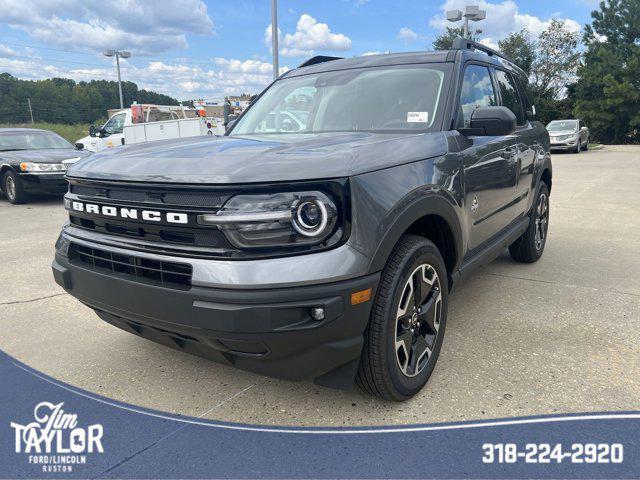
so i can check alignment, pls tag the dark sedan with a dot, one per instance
(34, 161)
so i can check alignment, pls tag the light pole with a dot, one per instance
(471, 12)
(274, 37)
(118, 54)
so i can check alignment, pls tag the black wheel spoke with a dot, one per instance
(418, 320)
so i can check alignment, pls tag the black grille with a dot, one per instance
(210, 200)
(144, 270)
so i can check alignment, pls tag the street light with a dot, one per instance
(274, 36)
(118, 54)
(471, 12)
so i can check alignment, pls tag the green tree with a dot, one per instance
(63, 101)
(556, 61)
(444, 41)
(608, 87)
(550, 62)
(520, 49)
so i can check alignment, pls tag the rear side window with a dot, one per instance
(509, 93)
(477, 91)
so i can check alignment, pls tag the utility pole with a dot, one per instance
(274, 37)
(118, 54)
(30, 110)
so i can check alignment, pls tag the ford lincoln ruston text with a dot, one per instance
(321, 236)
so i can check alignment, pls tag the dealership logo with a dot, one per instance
(129, 213)
(55, 439)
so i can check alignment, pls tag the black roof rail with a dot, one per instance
(466, 44)
(318, 59)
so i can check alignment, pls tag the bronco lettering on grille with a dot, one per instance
(130, 213)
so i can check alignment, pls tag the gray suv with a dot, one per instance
(321, 236)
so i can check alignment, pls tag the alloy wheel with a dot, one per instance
(542, 220)
(418, 320)
(10, 187)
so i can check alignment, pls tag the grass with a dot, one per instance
(70, 132)
(595, 146)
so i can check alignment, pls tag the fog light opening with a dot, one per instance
(317, 313)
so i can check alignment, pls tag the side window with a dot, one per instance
(115, 124)
(509, 93)
(477, 91)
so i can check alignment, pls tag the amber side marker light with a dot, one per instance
(361, 296)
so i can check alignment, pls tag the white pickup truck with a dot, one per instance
(147, 123)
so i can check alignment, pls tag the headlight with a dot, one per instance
(287, 219)
(572, 137)
(42, 167)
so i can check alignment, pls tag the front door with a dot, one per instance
(489, 163)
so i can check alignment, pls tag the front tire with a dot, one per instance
(408, 319)
(586, 145)
(578, 147)
(529, 247)
(12, 187)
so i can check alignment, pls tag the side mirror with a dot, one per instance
(79, 146)
(583, 129)
(93, 132)
(493, 121)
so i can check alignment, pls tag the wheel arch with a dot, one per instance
(433, 217)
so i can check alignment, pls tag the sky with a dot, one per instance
(206, 49)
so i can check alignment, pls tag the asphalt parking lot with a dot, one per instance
(558, 336)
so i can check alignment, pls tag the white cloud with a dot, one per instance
(180, 80)
(143, 26)
(502, 19)
(7, 52)
(407, 34)
(310, 36)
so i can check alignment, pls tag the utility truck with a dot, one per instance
(148, 123)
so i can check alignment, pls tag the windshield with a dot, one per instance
(403, 98)
(562, 125)
(34, 140)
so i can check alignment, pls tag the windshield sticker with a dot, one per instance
(417, 117)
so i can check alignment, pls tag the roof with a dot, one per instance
(467, 49)
(16, 130)
(384, 59)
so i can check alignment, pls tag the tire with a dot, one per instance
(586, 145)
(13, 190)
(529, 247)
(392, 366)
(578, 147)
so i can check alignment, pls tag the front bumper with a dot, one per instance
(269, 331)
(49, 183)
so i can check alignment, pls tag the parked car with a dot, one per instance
(34, 161)
(568, 135)
(325, 251)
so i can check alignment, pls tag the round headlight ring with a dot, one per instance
(300, 224)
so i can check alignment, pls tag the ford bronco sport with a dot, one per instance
(321, 236)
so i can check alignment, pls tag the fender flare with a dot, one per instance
(432, 203)
(544, 165)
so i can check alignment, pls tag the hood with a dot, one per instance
(252, 159)
(49, 155)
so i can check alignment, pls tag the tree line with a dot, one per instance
(64, 101)
(594, 76)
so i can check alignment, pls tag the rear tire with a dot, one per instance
(586, 145)
(529, 247)
(13, 190)
(406, 329)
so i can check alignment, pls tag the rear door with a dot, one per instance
(511, 96)
(489, 162)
